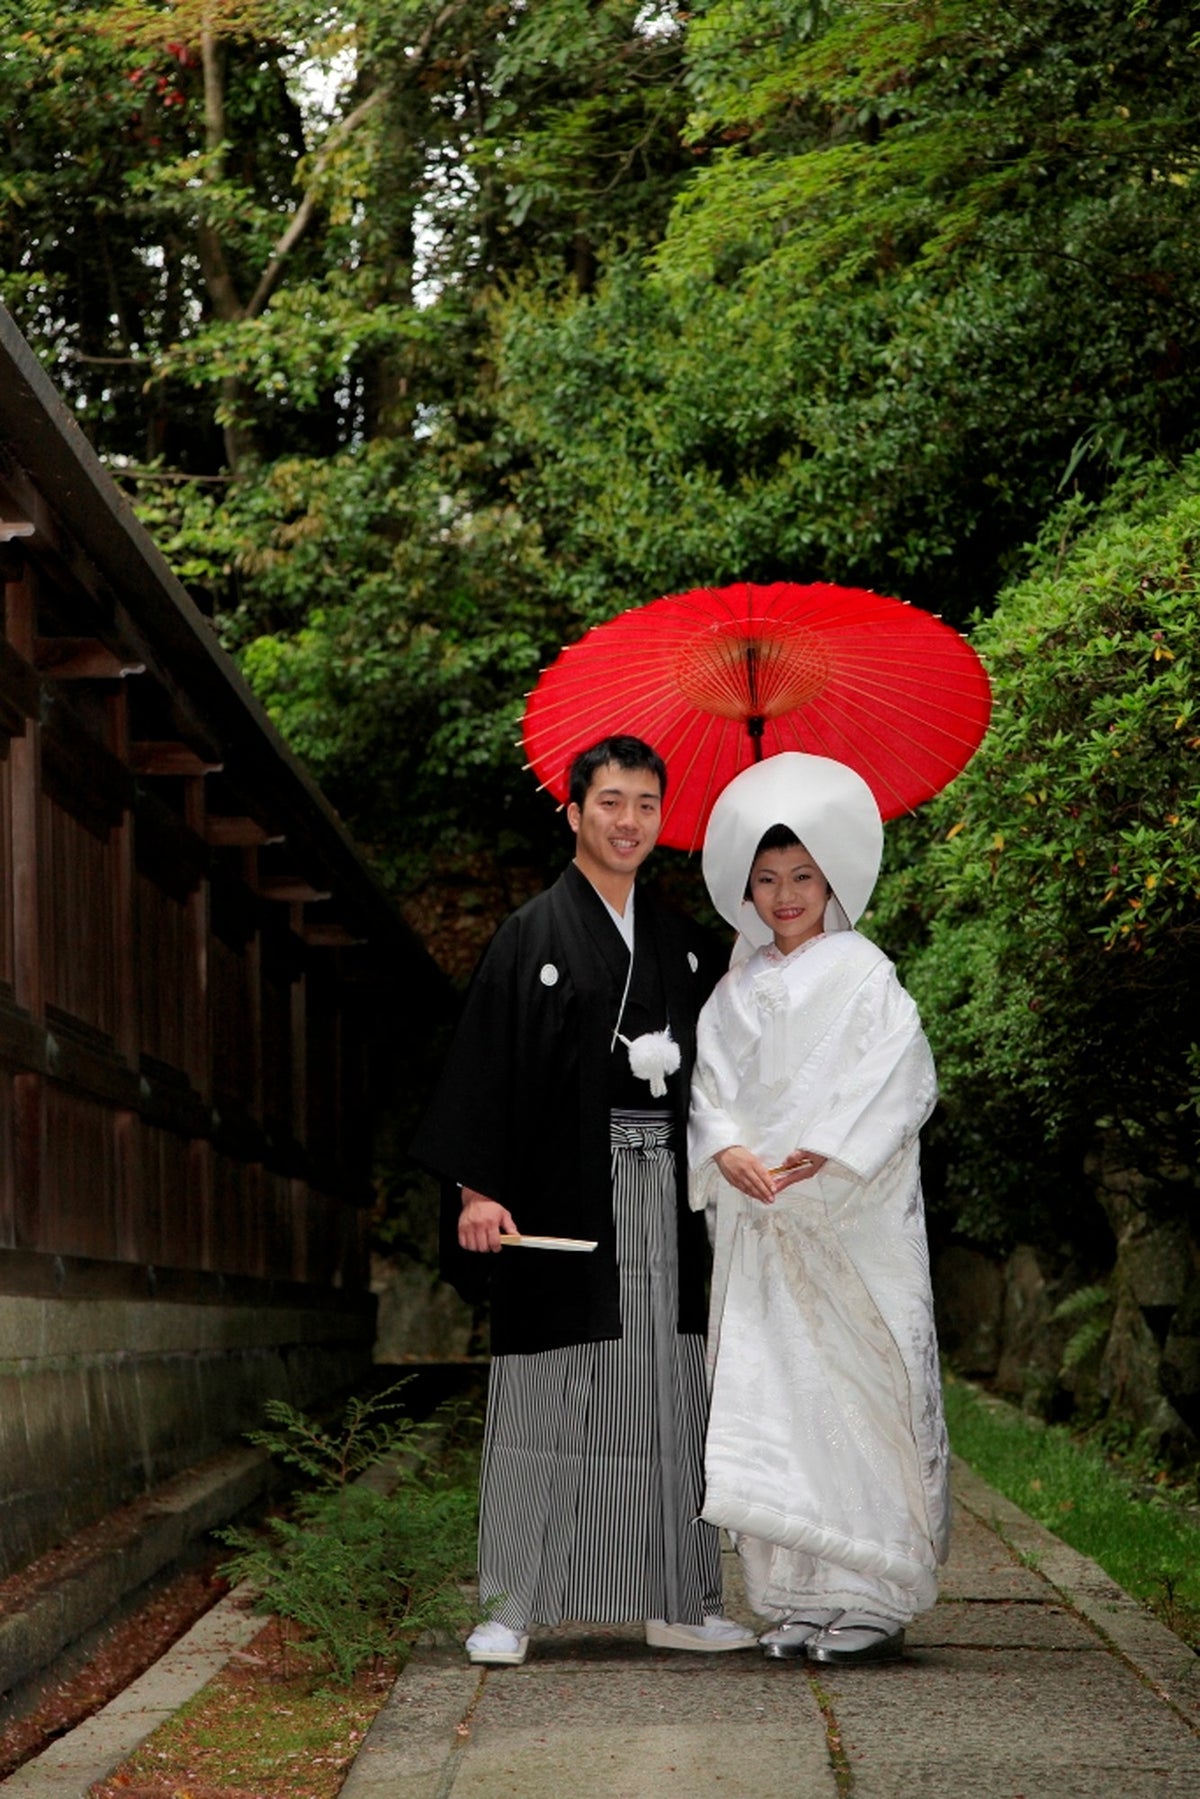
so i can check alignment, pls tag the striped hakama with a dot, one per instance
(592, 1476)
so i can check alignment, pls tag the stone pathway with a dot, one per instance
(1034, 1678)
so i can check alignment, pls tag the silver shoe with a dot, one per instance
(857, 1637)
(789, 1642)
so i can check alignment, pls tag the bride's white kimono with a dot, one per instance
(827, 1454)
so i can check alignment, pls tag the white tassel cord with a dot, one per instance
(652, 1058)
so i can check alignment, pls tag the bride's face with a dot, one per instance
(790, 894)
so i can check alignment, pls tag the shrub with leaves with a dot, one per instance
(1051, 897)
(375, 1551)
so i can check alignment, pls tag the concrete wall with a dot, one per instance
(102, 1399)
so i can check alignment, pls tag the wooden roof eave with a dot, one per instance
(46, 441)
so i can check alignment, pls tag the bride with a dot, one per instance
(826, 1454)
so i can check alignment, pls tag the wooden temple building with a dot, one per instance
(195, 963)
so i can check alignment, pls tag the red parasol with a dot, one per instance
(720, 677)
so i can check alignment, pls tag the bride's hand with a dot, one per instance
(800, 1165)
(743, 1170)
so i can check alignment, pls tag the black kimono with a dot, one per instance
(591, 1483)
(522, 1110)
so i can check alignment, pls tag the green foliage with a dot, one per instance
(374, 1553)
(1138, 1532)
(478, 324)
(424, 335)
(863, 136)
(1090, 1309)
(1048, 899)
(934, 264)
(371, 1430)
(778, 437)
(402, 687)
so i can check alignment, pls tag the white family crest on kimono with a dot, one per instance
(826, 1451)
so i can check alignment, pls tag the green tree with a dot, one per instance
(1050, 898)
(303, 219)
(474, 324)
(936, 266)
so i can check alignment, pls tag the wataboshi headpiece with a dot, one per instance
(833, 813)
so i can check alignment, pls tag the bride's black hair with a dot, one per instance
(779, 837)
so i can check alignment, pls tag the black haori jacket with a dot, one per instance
(522, 1110)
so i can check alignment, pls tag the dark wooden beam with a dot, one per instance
(299, 1041)
(82, 659)
(226, 832)
(142, 605)
(170, 759)
(252, 954)
(330, 936)
(19, 692)
(81, 774)
(25, 795)
(47, 1275)
(292, 890)
(168, 851)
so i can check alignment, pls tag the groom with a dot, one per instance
(592, 1475)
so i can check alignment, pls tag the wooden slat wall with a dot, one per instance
(78, 922)
(165, 959)
(6, 968)
(173, 1229)
(324, 1059)
(171, 1083)
(7, 1220)
(277, 1050)
(232, 1013)
(80, 1179)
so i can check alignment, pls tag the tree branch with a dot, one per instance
(302, 217)
(213, 266)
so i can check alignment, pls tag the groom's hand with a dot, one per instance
(481, 1222)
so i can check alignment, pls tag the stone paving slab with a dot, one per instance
(415, 1743)
(946, 1779)
(982, 1566)
(731, 1689)
(968, 1624)
(1155, 1652)
(1000, 1722)
(671, 1727)
(1023, 1683)
(648, 1762)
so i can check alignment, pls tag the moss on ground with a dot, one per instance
(1136, 1524)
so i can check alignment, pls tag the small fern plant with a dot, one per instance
(1090, 1309)
(375, 1552)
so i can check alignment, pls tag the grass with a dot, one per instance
(1141, 1532)
(261, 1729)
(362, 1567)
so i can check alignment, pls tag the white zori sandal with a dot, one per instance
(497, 1645)
(857, 1637)
(710, 1638)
